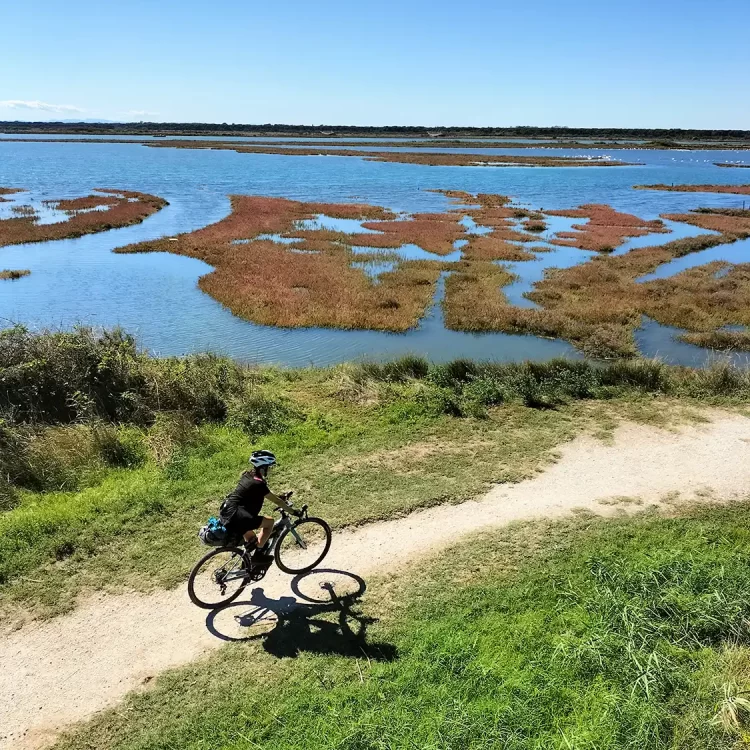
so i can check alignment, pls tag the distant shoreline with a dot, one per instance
(390, 131)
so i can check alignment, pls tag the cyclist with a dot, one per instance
(240, 511)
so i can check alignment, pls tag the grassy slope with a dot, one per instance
(391, 450)
(580, 634)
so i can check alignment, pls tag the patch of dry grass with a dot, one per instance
(735, 223)
(725, 341)
(8, 191)
(72, 205)
(400, 157)
(434, 233)
(735, 189)
(267, 282)
(12, 274)
(122, 212)
(604, 292)
(605, 230)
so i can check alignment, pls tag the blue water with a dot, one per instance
(737, 252)
(156, 296)
(662, 341)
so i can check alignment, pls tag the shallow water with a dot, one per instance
(657, 340)
(737, 252)
(156, 296)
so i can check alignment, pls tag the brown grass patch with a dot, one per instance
(123, 212)
(493, 247)
(8, 191)
(407, 459)
(268, 283)
(474, 300)
(598, 305)
(734, 189)
(71, 205)
(605, 230)
(732, 222)
(12, 275)
(425, 159)
(725, 341)
(604, 292)
(435, 233)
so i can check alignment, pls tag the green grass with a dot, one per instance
(136, 527)
(628, 634)
(110, 459)
(101, 506)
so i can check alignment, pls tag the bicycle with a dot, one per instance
(220, 576)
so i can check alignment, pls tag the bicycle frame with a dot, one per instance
(249, 569)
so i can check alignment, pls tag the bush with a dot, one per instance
(83, 375)
(260, 413)
(397, 370)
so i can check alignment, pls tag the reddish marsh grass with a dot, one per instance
(123, 212)
(729, 222)
(735, 189)
(604, 292)
(71, 205)
(269, 283)
(435, 233)
(426, 159)
(598, 305)
(605, 230)
(12, 274)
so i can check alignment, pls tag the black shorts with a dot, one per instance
(242, 521)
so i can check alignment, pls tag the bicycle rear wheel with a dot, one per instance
(303, 546)
(217, 578)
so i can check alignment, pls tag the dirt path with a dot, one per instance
(60, 672)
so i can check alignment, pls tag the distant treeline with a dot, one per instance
(269, 129)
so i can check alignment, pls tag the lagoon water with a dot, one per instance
(155, 296)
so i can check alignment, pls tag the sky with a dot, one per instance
(660, 63)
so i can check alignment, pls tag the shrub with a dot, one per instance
(453, 373)
(63, 377)
(397, 370)
(260, 413)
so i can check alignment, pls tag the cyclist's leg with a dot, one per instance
(243, 524)
(266, 527)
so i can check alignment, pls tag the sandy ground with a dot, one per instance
(60, 672)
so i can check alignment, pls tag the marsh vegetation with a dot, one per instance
(12, 274)
(123, 208)
(351, 274)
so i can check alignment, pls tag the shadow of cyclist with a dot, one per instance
(288, 626)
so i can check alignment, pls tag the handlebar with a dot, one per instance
(302, 511)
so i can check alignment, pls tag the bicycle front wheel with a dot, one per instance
(218, 578)
(303, 545)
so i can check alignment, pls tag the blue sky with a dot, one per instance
(660, 63)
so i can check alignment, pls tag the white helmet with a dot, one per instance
(261, 459)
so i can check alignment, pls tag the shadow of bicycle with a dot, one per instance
(323, 617)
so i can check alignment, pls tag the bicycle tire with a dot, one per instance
(194, 574)
(307, 568)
